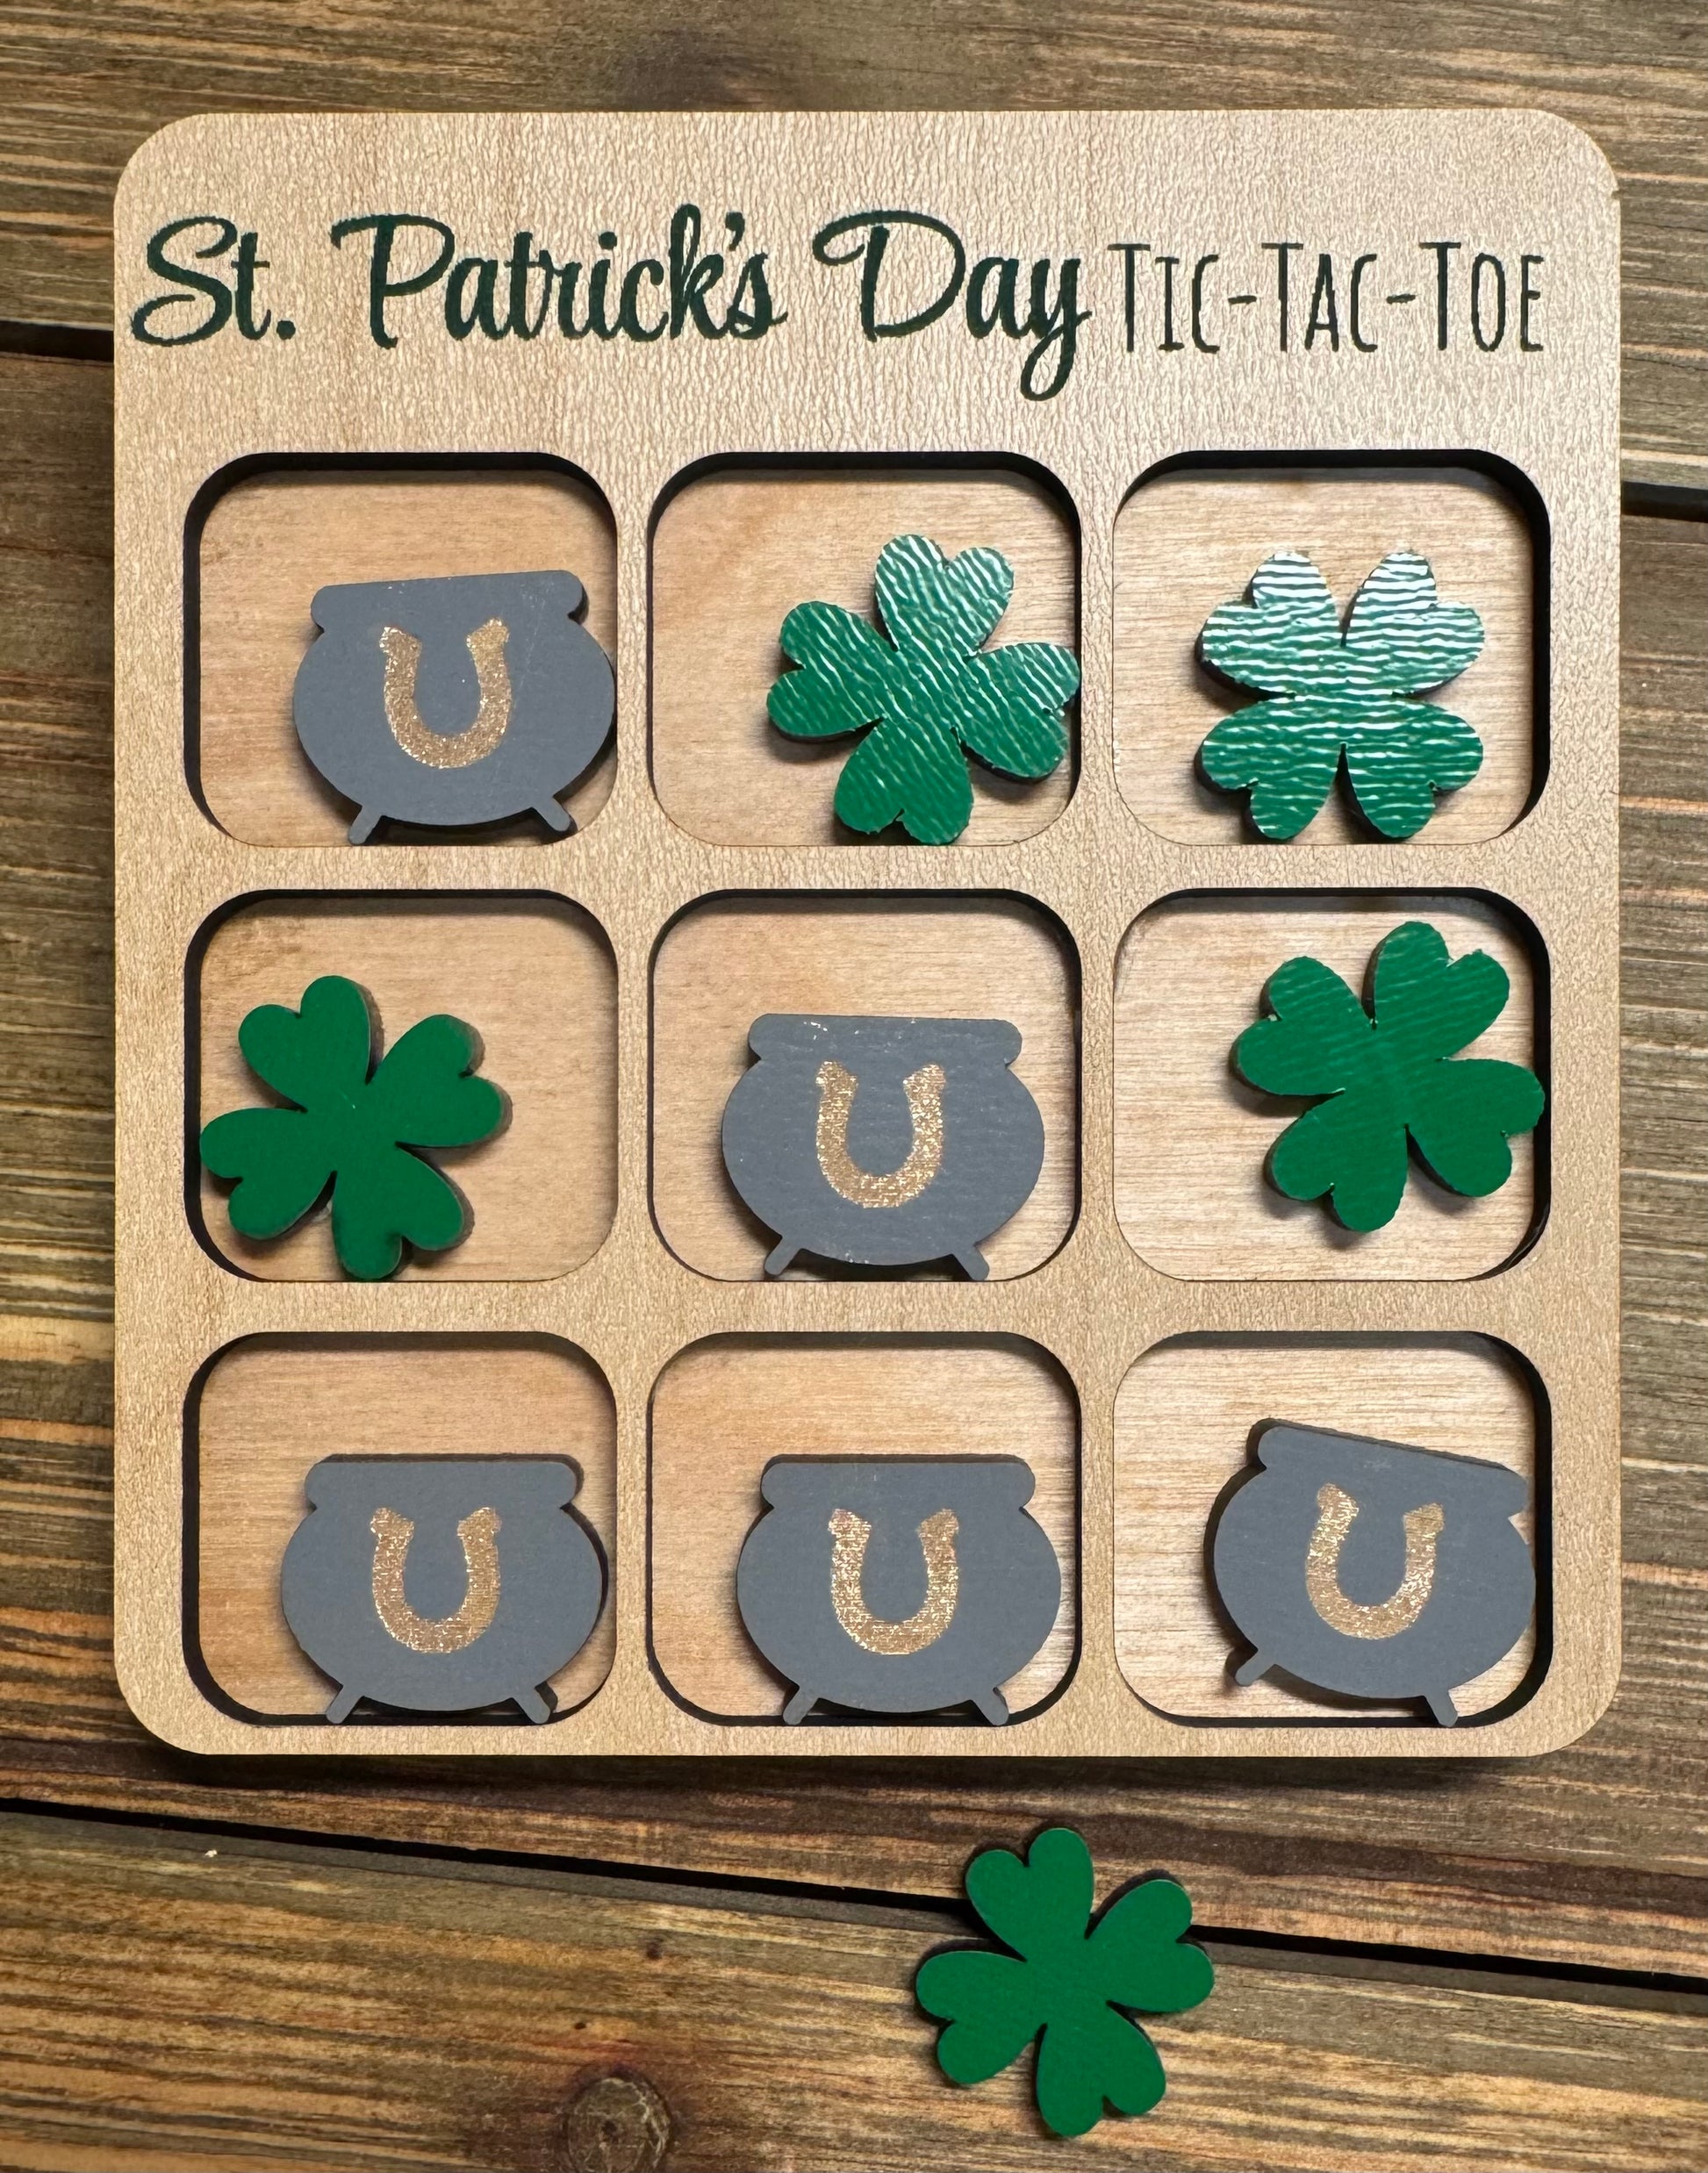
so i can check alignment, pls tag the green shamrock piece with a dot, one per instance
(1390, 1077)
(927, 693)
(1335, 695)
(353, 1130)
(1068, 1977)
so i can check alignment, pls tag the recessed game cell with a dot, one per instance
(392, 655)
(420, 1087)
(1327, 1086)
(1330, 653)
(402, 1528)
(863, 1528)
(865, 1086)
(864, 651)
(1321, 1530)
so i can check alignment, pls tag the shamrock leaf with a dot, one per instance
(1390, 1077)
(927, 692)
(351, 1130)
(1335, 695)
(1068, 1981)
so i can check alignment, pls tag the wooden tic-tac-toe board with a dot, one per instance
(1133, 357)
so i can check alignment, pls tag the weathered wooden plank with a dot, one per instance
(1596, 1855)
(81, 86)
(167, 2000)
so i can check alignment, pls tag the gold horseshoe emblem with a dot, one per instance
(447, 1633)
(448, 750)
(837, 1089)
(1336, 1512)
(942, 1585)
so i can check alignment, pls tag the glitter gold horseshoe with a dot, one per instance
(942, 1585)
(1337, 1510)
(448, 750)
(445, 1633)
(836, 1088)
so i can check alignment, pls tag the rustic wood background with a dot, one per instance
(239, 1966)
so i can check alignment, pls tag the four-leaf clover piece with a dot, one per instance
(353, 1127)
(1334, 695)
(1389, 1076)
(1069, 1981)
(927, 693)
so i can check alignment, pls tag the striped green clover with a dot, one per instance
(1334, 695)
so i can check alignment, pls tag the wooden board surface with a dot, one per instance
(1590, 1856)
(187, 411)
(86, 86)
(742, 2031)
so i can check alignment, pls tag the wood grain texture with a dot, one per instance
(733, 553)
(267, 1412)
(724, 1408)
(158, 2012)
(1192, 1136)
(1187, 543)
(84, 85)
(1593, 1855)
(1183, 1420)
(534, 978)
(272, 541)
(727, 963)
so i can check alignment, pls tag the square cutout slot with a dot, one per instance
(731, 960)
(723, 1408)
(1189, 539)
(533, 976)
(1184, 1418)
(270, 542)
(269, 1409)
(734, 551)
(1191, 1138)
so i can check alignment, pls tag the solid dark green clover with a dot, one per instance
(1337, 697)
(353, 1127)
(1071, 1981)
(1389, 1078)
(928, 695)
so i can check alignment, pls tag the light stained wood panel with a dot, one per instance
(723, 1408)
(1183, 1422)
(534, 977)
(732, 554)
(1192, 1136)
(268, 1410)
(1190, 541)
(271, 540)
(727, 963)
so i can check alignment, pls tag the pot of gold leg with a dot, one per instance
(898, 1584)
(441, 1583)
(1373, 1569)
(882, 1142)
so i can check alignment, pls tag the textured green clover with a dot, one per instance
(1068, 1977)
(353, 1130)
(1335, 696)
(929, 690)
(1390, 1077)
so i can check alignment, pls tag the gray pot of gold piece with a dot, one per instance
(454, 702)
